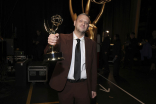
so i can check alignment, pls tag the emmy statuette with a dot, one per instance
(53, 55)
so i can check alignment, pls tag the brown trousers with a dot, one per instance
(75, 93)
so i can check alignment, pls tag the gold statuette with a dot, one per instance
(92, 30)
(53, 55)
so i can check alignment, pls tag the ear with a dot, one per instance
(74, 23)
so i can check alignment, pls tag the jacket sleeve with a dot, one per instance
(94, 68)
(106, 45)
(56, 47)
(118, 49)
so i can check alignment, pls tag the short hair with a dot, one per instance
(83, 14)
(117, 36)
(38, 30)
(132, 33)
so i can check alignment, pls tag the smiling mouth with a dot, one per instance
(82, 27)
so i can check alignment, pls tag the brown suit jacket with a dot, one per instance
(60, 73)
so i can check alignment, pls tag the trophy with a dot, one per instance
(92, 29)
(52, 55)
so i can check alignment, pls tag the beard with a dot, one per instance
(81, 30)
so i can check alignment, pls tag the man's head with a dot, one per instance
(132, 35)
(154, 33)
(116, 37)
(82, 23)
(106, 33)
(38, 32)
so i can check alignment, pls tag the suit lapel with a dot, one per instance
(86, 51)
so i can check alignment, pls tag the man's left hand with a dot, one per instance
(93, 94)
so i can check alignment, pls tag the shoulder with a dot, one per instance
(136, 39)
(90, 41)
(65, 36)
(107, 40)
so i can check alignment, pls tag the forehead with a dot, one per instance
(154, 31)
(132, 34)
(83, 17)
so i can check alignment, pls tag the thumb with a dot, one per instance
(57, 34)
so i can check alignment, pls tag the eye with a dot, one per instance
(80, 20)
(86, 23)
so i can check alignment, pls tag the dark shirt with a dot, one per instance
(132, 48)
(133, 44)
(152, 41)
(117, 48)
(40, 39)
(106, 44)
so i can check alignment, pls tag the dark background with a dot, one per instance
(19, 19)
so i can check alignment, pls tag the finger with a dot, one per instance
(56, 34)
(93, 94)
(52, 41)
(51, 35)
(53, 38)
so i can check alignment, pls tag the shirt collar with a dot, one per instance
(75, 37)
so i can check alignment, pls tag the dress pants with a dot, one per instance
(128, 61)
(106, 64)
(75, 93)
(116, 67)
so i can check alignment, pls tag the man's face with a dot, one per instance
(106, 34)
(154, 33)
(38, 32)
(82, 23)
(131, 36)
(114, 37)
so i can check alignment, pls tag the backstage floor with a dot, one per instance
(133, 87)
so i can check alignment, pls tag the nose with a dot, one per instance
(83, 23)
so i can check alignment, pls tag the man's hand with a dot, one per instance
(116, 56)
(93, 94)
(37, 42)
(53, 38)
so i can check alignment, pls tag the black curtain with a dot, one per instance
(119, 18)
(20, 19)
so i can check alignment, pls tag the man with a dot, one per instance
(131, 50)
(38, 46)
(116, 52)
(105, 53)
(152, 42)
(70, 87)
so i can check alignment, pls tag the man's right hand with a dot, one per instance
(53, 38)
